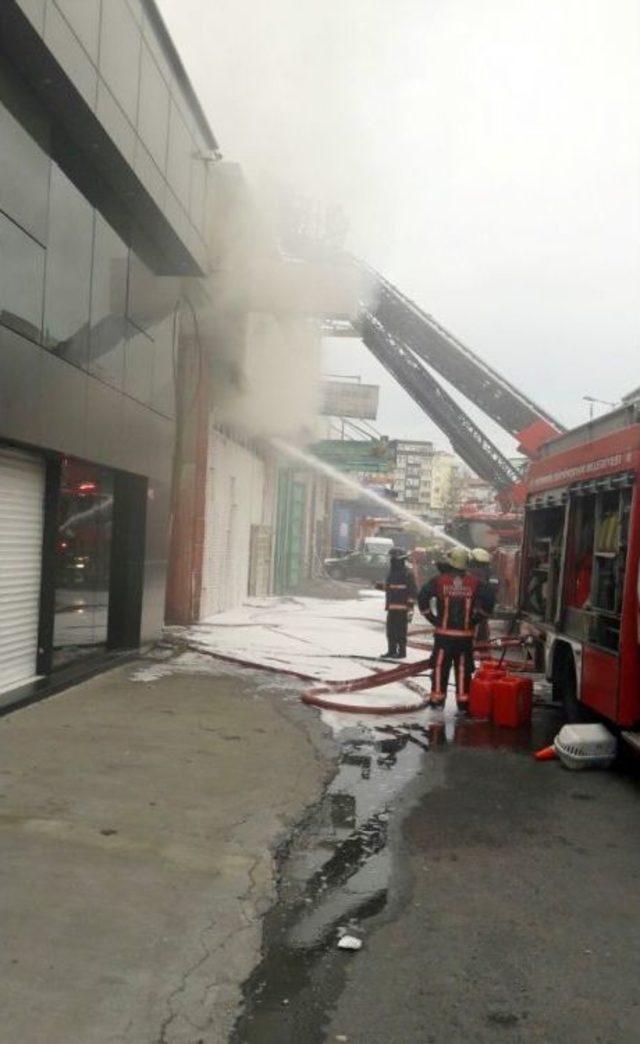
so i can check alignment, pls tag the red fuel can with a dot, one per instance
(481, 694)
(512, 701)
(490, 667)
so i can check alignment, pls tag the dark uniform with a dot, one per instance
(401, 591)
(487, 597)
(456, 594)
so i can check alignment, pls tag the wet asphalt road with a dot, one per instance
(498, 899)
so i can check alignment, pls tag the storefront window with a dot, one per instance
(83, 561)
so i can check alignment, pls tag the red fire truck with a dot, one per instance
(580, 580)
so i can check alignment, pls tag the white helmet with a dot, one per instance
(458, 557)
(480, 556)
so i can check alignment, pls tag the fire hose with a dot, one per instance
(320, 696)
(317, 697)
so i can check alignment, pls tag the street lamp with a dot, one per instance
(592, 402)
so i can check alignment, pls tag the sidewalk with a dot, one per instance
(138, 824)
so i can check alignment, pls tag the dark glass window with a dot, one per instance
(108, 304)
(138, 382)
(68, 271)
(153, 110)
(151, 307)
(151, 298)
(120, 54)
(83, 561)
(24, 177)
(142, 293)
(21, 280)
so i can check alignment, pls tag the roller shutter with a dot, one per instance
(21, 522)
(234, 505)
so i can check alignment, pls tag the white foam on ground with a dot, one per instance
(322, 638)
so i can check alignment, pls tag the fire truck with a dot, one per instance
(580, 570)
(578, 585)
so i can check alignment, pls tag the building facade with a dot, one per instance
(413, 476)
(105, 161)
(445, 476)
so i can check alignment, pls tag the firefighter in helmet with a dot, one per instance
(451, 602)
(401, 591)
(480, 567)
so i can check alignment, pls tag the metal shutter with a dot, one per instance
(21, 522)
(235, 495)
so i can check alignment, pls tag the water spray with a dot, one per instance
(345, 480)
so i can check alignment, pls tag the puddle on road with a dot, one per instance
(336, 870)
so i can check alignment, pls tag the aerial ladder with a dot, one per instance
(411, 344)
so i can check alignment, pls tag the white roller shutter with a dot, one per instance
(21, 522)
(235, 497)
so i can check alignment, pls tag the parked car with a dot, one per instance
(358, 565)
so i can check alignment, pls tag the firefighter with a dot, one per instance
(451, 602)
(480, 567)
(401, 591)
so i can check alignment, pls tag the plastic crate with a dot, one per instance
(586, 746)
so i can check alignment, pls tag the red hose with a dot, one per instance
(372, 681)
(315, 697)
(354, 708)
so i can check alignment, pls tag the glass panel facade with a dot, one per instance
(138, 382)
(179, 156)
(153, 110)
(142, 293)
(68, 271)
(120, 41)
(83, 561)
(21, 280)
(198, 191)
(70, 54)
(84, 18)
(24, 177)
(117, 57)
(108, 304)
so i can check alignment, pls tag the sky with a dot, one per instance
(485, 152)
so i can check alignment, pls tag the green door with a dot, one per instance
(292, 499)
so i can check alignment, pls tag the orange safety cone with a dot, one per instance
(546, 754)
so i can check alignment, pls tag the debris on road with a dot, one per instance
(349, 942)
